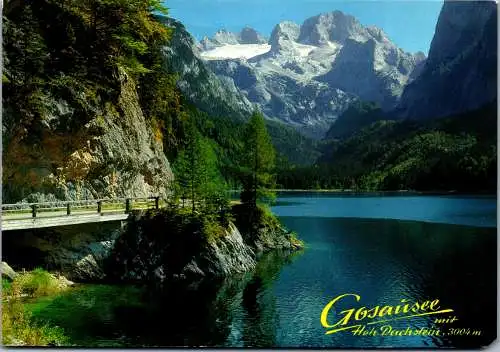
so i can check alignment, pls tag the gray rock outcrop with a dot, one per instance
(461, 71)
(152, 249)
(199, 85)
(76, 251)
(161, 246)
(114, 153)
(247, 35)
(6, 270)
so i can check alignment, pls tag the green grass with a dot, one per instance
(6, 286)
(35, 283)
(19, 328)
(85, 311)
(18, 325)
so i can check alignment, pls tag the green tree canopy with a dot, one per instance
(197, 174)
(257, 163)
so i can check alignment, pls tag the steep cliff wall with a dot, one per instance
(461, 72)
(114, 154)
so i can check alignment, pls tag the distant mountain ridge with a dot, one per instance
(307, 75)
(247, 35)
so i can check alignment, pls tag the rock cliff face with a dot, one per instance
(153, 249)
(247, 35)
(77, 251)
(141, 256)
(308, 74)
(461, 71)
(113, 154)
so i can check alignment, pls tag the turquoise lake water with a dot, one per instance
(382, 248)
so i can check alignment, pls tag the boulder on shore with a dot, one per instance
(6, 270)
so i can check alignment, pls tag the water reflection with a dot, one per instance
(462, 210)
(384, 261)
(279, 303)
(236, 311)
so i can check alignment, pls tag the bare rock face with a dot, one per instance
(374, 70)
(77, 251)
(223, 257)
(225, 37)
(461, 71)
(331, 27)
(112, 154)
(249, 35)
(310, 73)
(283, 33)
(460, 25)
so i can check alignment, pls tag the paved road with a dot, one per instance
(51, 219)
(57, 213)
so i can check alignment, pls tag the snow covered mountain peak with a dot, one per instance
(308, 74)
(236, 51)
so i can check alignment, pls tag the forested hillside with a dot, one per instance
(358, 115)
(457, 153)
(98, 97)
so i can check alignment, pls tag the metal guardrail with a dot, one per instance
(100, 206)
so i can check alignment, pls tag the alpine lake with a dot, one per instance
(376, 249)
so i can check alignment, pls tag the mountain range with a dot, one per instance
(307, 75)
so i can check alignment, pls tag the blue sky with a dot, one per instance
(409, 23)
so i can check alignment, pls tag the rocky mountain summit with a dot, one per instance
(307, 75)
(461, 72)
(247, 35)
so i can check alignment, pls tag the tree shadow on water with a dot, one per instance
(238, 311)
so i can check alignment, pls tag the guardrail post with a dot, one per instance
(127, 205)
(157, 202)
(68, 209)
(33, 210)
(99, 207)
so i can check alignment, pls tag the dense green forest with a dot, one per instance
(456, 153)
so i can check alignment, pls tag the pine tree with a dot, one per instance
(197, 174)
(257, 162)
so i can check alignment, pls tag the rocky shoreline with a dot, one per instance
(145, 249)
